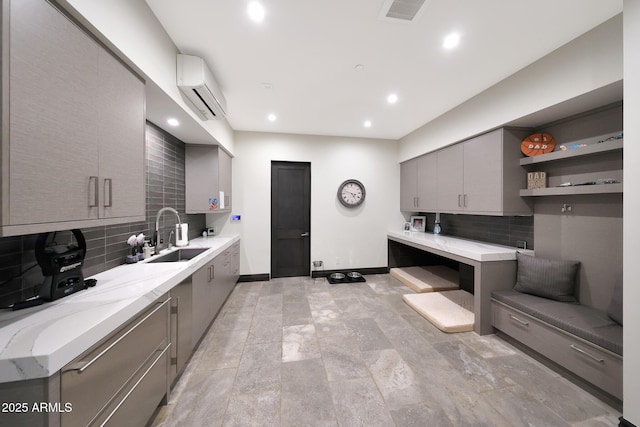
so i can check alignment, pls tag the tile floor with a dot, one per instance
(302, 352)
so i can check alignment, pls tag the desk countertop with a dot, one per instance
(38, 341)
(478, 251)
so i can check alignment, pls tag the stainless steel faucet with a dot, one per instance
(158, 215)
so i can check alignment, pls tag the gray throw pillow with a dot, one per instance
(615, 306)
(546, 278)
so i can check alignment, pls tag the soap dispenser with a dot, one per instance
(437, 229)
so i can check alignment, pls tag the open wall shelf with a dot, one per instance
(609, 146)
(580, 189)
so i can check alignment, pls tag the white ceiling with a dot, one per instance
(306, 51)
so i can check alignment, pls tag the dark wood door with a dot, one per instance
(290, 219)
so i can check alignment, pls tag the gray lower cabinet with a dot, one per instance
(181, 326)
(589, 361)
(202, 301)
(482, 175)
(207, 175)
(418, 188)
(122, 380)
(211, 285)
(73, 121)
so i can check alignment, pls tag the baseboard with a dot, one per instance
(363, 271)
(254, 277)
(625, 423)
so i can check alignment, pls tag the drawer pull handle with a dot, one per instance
(522, 322)
(83, 366)
(589, 355)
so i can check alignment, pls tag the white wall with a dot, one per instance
(631, 226)
(356, 236)
(133, 29)
(589, 62)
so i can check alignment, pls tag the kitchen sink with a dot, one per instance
(181, 254)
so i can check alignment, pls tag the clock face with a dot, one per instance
(351, 193)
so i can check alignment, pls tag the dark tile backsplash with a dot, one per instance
(500, 230)
(106, 245)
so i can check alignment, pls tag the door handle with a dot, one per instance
(305, 234)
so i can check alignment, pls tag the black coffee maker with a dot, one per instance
(61, 266)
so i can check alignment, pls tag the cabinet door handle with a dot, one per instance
(465, 200)
(212, 272)
(522, 322)
(110, 192)
(83, 366)
(459, 205)
(589, 355)
(305, 234)
(417, 202)
(94, 203)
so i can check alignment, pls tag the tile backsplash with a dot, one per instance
(500, 230)
(106, 245)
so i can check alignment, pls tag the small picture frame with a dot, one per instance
(407, 227)
(418, 223)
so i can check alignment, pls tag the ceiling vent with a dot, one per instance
(403, 10)
(197, 83)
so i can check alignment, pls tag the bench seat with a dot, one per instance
(580, 320)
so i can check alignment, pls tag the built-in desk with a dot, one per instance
(494, 266)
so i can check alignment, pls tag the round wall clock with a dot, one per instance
(351, 193)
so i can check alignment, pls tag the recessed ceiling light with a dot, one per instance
(359, 67)
(256, 11)
(173, 122)
(392, 98)
(272, 117)
(451, 41)
(367, 123)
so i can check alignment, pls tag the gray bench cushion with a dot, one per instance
(577, 319)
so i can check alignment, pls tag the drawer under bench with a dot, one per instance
(590, 362)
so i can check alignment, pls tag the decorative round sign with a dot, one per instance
(351, 193)
(537, 143)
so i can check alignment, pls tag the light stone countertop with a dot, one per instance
(37, 342)
(478, 251)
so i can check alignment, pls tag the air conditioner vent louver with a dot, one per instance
(405, 10)
(200, 89)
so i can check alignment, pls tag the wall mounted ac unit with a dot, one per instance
(197, 83)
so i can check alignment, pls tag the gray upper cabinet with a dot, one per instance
(121, 141)
(418, 190)
(73, 127)
(450, 178)
(479, 176)
(482, 175)
(207, 177)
